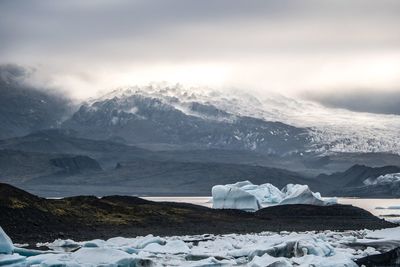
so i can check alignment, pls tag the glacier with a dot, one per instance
(285, 249)
(246, 196)
(332, 129)
(386, 179)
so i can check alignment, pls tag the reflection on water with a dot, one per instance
(378, 207)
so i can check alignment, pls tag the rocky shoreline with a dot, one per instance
(30, 219)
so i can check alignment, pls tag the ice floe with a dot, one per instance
(284, 249)
(247, 196)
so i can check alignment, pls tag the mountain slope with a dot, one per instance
(160, 178)
(356, 175)
(352, 182)
(18, 167)
(144, 120)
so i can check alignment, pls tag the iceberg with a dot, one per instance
(6, 245)
(247, 196)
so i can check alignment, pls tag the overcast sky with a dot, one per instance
(322, 50)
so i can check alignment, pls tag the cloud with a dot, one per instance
(372, 101)
(286, 46)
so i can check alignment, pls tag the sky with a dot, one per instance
(340, 53)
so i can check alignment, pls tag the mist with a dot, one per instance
(310, 49)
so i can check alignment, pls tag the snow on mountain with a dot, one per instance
(387, 179)
(148, 116)
(331, 130)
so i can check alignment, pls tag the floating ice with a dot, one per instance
(267, 260)
(247, 196)
(11, 260)
(172, 247)
(284, 249)
(6, 245)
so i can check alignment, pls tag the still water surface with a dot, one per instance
(378, 207)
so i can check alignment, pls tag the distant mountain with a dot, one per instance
(24, 108)
(329, 130)
(150, 121)
(356, 175)
(19, 167)
(58, 141)
(352, 182)
(157, 178)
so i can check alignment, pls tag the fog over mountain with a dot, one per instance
(266, 46)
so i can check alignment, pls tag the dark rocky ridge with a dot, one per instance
(30, 219)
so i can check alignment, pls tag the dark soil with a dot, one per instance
(29, 219)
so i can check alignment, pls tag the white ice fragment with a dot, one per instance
(267, 260)
(103, 257)
(209, 262)
(332, 261)
(67, 243)
(171, 247)
(47, 260)
(11, 260)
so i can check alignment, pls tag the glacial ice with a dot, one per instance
(247, 196)
(267, 260)
(172, 247)
(284, 249)
(389, 178)
(6, 245)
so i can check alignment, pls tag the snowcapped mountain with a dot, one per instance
(201, 117)
(24, 108)
(148, 118)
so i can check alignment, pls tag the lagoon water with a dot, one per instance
(378, 207)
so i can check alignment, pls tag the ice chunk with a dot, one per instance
(333, 261)
(96, 243)
(67, 243)
(103, 257)
(209, 262)
(267, 260)
(247, 196)
(51, 260)
(6, 259)
(234, 196)
(301, 194)
(171, 247)
(6, 245)
(139, 242)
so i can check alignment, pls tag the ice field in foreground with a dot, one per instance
(325, 249)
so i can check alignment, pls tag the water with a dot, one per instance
(378, 207)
